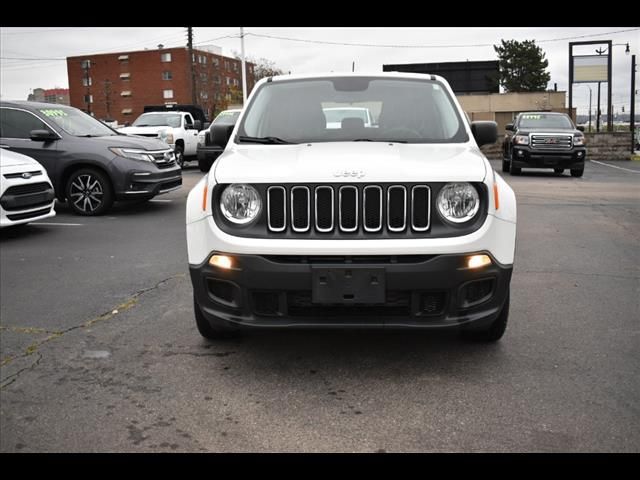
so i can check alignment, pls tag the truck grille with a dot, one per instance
(551, 142)
(349, 208)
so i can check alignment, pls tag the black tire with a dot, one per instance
(505, 165)
(216, 330)
(179, 152)
(495, 331)
(577, 172)
(205, 164)
(558, 170)
(89, 192)
(514, 170)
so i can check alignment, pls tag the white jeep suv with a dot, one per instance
(405, 225)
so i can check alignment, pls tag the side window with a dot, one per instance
(18, 124)
(188, 121)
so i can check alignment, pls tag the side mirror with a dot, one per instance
(42, 135)
(197, 124)
(484, 132)
(580, 128)
(220, 134)
(509, 126)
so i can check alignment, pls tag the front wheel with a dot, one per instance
(505, 165)
(577, 172)
(205, 164)
(496, 329)
(89, 192)
(514, 170)
(179, 151)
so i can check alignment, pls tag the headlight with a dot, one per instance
(578, 141)
(521, 139)
(132, 153)
(166, 136)
(240, 203)
(458, 202)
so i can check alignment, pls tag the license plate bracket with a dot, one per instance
(348, 286)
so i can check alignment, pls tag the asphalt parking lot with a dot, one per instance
(99, 349)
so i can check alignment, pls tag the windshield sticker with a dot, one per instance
(54, 113)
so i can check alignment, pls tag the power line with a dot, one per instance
(379, 45)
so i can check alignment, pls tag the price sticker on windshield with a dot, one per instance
(532, 117)
(54, 113)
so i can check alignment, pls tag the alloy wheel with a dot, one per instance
(86, 193)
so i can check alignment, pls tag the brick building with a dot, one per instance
(51, 95)
(117, 86)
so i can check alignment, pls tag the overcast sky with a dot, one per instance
(46, 47)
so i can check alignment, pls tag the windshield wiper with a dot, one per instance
(371, 140)
(265, 140)
(141, 125)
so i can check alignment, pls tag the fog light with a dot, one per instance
(221, 261)
(520, 153)
(477, 261)
(580, 154)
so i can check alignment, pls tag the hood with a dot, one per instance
(143, 130)
(559, 131)
(342, 162)
(14, 159)
(130, 141)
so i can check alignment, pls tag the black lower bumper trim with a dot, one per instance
(431, 291)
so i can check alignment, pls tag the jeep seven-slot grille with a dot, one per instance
(348, 208)
(551, 142)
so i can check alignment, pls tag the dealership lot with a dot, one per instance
(99, 350)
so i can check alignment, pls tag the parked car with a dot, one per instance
(90, 164)
(208, 152)
(175, 127)
(405, 225)
(335, 115)
(26, 193)
(543, 140)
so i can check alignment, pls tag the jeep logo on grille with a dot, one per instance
(26, 175)
(349, 173)
(550, 140)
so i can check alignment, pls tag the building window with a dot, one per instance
(165, 57)
(228, 96)
(86, 82)
(125, 76)
(86, 64)
(228, 80)
(250, 69)
(215, 61)
(216, 79)
(236, 82)
(125, 93)
(167, 94)
(226, 64)
(204, 95)
(204, 76)
(88, 99)
(123, 58)
(235, 67)
(203, 59)
(127, 111)
(167, 75)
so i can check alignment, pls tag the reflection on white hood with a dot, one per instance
(340, 162)
(12, 159)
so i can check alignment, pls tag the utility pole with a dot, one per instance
(632, 123)
(87, 80)
(244, 68)
(191, 67)
(107, 97)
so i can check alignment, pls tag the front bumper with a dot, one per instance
(141, 184)
(523, 156)
(420, 291)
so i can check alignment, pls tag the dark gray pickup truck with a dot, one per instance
(543, 140)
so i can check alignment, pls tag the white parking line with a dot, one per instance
(161, 200)
(615, 166)
(58, 224)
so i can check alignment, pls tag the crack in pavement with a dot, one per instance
(33, 348)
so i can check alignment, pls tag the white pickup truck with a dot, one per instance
(176, 128)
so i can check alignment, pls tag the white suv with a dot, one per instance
(26, 193)
(401, 225)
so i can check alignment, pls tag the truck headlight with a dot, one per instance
(521, 139)
(132, 153)
(166, 136)
(458, 202)
(578, 140)
(240, 203)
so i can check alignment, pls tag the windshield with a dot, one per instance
(541, 120)
(76, 122)
(336, 109)
(226, 118)
(158, 120)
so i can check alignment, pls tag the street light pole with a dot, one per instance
(244, 68)
(632, 123)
